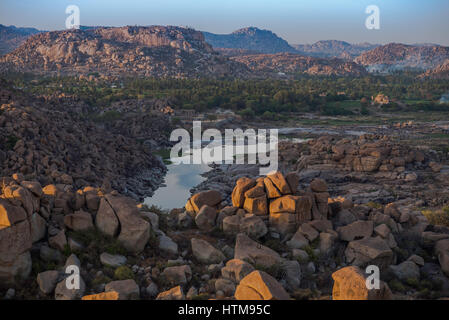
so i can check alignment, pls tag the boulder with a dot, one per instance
(63, 293)
(205, 219)
(272, 191)
(211, 198)
(38, 227)
(279, 181)
(106, 220)
(205, 253)
(284, 204)
(308, 232)
(178, 275)
(134, 231)
(369, 251)
(79, 221)
(10, 214)
(283, 222)
(110, 295)
(112, 260)
(253, 226)
(47, 281)
(356, 230)
(59, 241)
(318, 185)
(259, 285)
(126, 289)
(292, 181)
(236, 270)
(405, 270)
(231, 225)
(175, 293)
(254, 253)
(226, 286)
(257, 206)
(298, 241)
(238, 194)
(168, 246)
(350, 284)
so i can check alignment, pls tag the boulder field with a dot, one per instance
(277, 240)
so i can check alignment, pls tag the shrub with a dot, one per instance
(123, 273)
(438, 217)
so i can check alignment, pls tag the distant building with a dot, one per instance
(381, 99)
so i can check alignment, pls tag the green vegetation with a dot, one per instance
(123, 273)
(438, 217)
(332, 96)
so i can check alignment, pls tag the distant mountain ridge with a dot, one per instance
(12, 37)
(334, 49)
(252, 39)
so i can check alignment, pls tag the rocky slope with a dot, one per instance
(395, 56)
(293, 63)
(147, 51)
(12, 37)
(52, 140)
(334, 49)
(277, 239)
(440, 72)
(251, 38)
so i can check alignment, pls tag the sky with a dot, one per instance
(297, 21)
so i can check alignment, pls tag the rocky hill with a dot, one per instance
(251, 38)
(395, 56)
(293, 63)
(12, 37)
(334, 49)
(53, 140)
(147, 51)
(440, 72)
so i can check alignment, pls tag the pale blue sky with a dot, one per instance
(297, 21)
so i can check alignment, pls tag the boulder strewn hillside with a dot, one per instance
(396, 56)
(147, 51)
(53, 141)
(293, 63)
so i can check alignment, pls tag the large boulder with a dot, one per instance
(15, 260)
(356, 230)
(279, 181)
(350, 284)
(257, 206)
(134, 231)
(205, 253)
(205, 219)
(211, 198)
(369, 251)
(255, 253)
(238, 194)
(47, 281)
(259, 285)
(79, 221)
(126, 289)
(10, 214)
(106, 220)
(253, 226)
(236, 270)
(178, 275)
